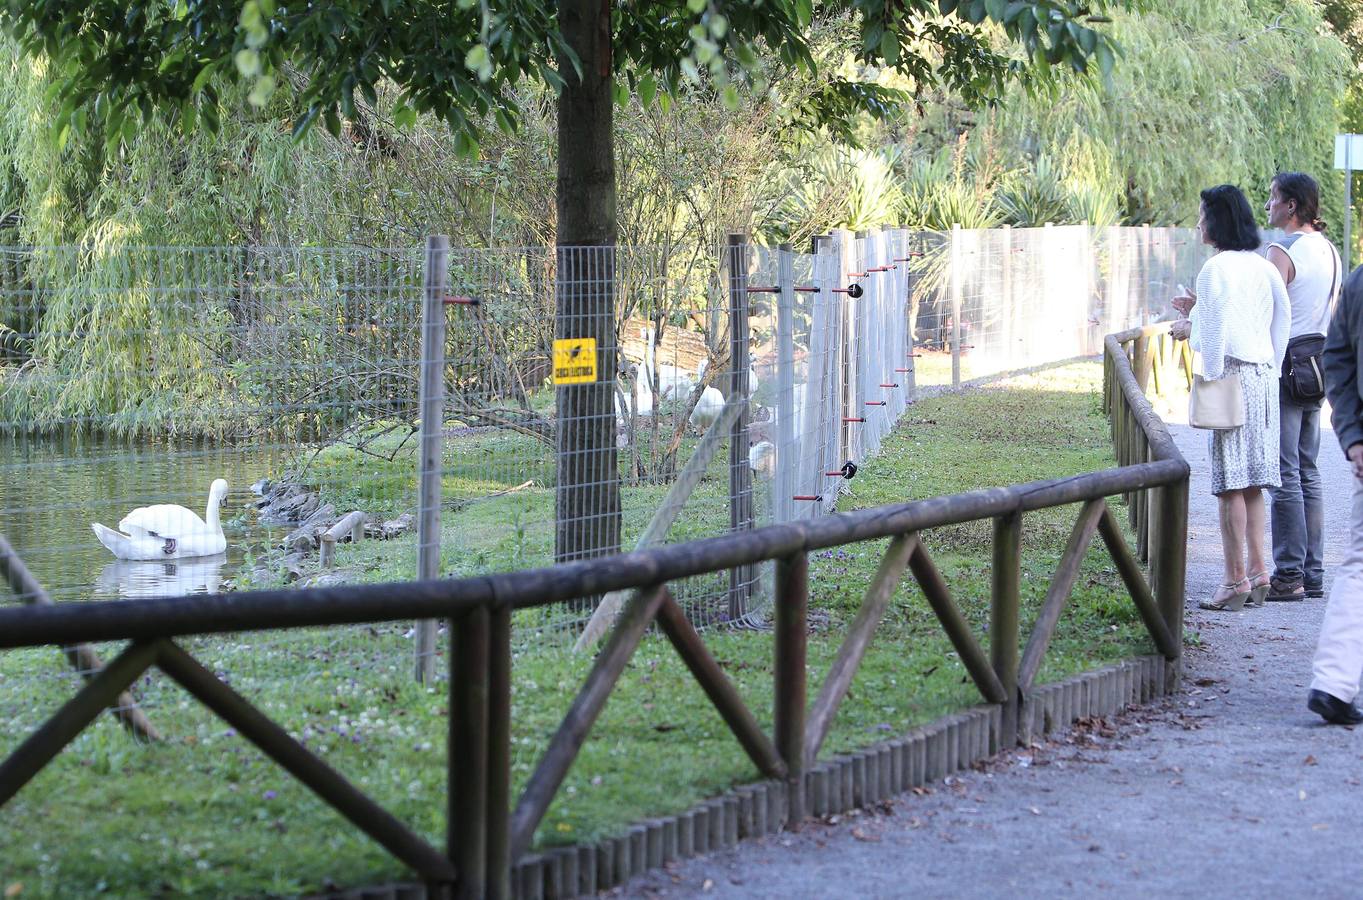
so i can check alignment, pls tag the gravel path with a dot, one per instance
(1230, 789)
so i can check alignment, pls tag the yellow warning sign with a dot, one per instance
(575, 361)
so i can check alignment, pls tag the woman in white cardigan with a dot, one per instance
(1238, 321)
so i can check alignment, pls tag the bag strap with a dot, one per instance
(1334, 274)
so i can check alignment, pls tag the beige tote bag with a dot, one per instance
(1218, 404)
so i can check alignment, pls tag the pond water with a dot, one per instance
(52, 488)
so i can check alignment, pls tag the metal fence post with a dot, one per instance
(956, 288)
(1010, 309)
(788, 443)
(432, 424)
(740, 473)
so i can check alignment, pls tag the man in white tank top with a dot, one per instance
(1310, 268)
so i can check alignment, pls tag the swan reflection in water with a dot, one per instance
(127, 579)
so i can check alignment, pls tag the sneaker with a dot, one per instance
(1315, 591)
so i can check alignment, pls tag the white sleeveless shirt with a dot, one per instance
(1316, 266)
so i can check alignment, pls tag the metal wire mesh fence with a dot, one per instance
(134, 377)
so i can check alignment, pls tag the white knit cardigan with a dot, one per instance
(1242, 312)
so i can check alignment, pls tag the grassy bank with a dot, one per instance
(204, 813)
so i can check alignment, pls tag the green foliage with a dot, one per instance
(463, 62)
(1034, 197)
(1265, 79)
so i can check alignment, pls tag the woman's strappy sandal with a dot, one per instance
(1233, 603)
(1258, 593)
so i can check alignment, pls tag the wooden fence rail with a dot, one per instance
(485, 833)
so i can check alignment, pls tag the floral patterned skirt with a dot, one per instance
(1247, 456)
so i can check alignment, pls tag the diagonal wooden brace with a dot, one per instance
(100, 692)
(858, 639)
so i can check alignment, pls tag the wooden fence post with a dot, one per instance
(1003, 618)
(467, 753)
(1170, 568)
(789, 671)
(432, 423)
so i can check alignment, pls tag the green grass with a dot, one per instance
(206, 814)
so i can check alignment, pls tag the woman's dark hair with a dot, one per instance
(1302, 190)
(1228, 222)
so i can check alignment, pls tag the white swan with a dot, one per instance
(166, 531)
(673, 381)
(762, 458)
(708, 407)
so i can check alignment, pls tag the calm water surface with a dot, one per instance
(52, 488)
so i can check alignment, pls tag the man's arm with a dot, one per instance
(1340, 361)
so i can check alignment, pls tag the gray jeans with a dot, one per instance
(1298, 521)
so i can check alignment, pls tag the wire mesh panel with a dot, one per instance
(545, 461)
(182, 420)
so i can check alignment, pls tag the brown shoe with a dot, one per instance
(1285, 590)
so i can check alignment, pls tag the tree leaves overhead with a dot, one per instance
(458, 60)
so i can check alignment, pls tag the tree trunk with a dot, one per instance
(587, 507)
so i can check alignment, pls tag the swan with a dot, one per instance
(708, 407)
(166, 531)
(673, 381)
(762, 458)
(639, 404)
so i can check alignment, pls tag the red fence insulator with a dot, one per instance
(837, 474)
(856, 274)
(882, 268)
(874, 403)
(897, 371)
(764, 290)
(846, 419)
(806, 289)
(462, 301)
(806, 497)
(890, 383)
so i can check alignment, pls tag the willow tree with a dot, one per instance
(121, 63)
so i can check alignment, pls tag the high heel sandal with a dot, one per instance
(1234, 603)
(1258, 593)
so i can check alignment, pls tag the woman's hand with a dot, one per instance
(1181, 329)
(1184, 302)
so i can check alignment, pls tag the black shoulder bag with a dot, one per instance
(1302, 379)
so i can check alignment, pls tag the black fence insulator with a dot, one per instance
(462, 301)
(852, 290)
(849, 470)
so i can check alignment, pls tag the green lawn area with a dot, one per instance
(204, 813)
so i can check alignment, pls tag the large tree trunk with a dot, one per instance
(588, 499)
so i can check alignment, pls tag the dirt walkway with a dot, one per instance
(1230, 789)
